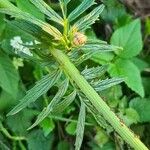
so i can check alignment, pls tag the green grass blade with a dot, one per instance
(80, 9)
(46, 111)
(48, 11)
(85, 22)
(80, 127)
(38, 90)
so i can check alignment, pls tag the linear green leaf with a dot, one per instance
(85, 22)
(39, 89)
(47, 10)
(98, 117)
(64, 103)
(91, 73)
(100, 47)
(104, 84)
(80, 127)
(80, 9)
(62, 90)
(28, 17)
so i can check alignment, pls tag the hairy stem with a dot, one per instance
(97, 101)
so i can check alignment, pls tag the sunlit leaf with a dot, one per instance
(48, 11)
(91, 73)
(28, 17)
(89, 19)
(107, 83)
(80, 9)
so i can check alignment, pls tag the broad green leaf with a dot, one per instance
(130, 38)
(21, 121)
(103, 58)
(48, 11)
(141, 64)
(6, 101)
(26, 6)
(60, 107)
(71, 128)
(28, 17)
(63, 145)
(101, 137)
(85, 22)
(80, 9)
(107, 83)
(146, 84)
(37, 141)
(47, 110)
(130, 117)
(80, 127)
(3, 146)
(47, 126)
(125, 68)
(9, 77)
(38, 90)
(91, 73)
(142, 106)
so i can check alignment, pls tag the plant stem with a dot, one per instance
(7, 134)
(97, 101)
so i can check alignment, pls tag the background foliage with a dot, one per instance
(130, 100)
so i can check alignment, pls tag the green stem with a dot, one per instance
(7, 134)
(97, 101)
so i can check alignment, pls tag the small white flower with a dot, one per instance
(37, 42)
(26, 51)
(29, 43)
(17, 44)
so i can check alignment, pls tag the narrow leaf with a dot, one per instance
(100, 47)
(89, 19)
(39, 89)
(104, 84)
(26, 6)
(48, 11)
(80, 9)
(98, 117)
(80, 127)
(62, 90)
(94, 72)
(63, 5)
(64, 103)
(32, 29)
(28, 17)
